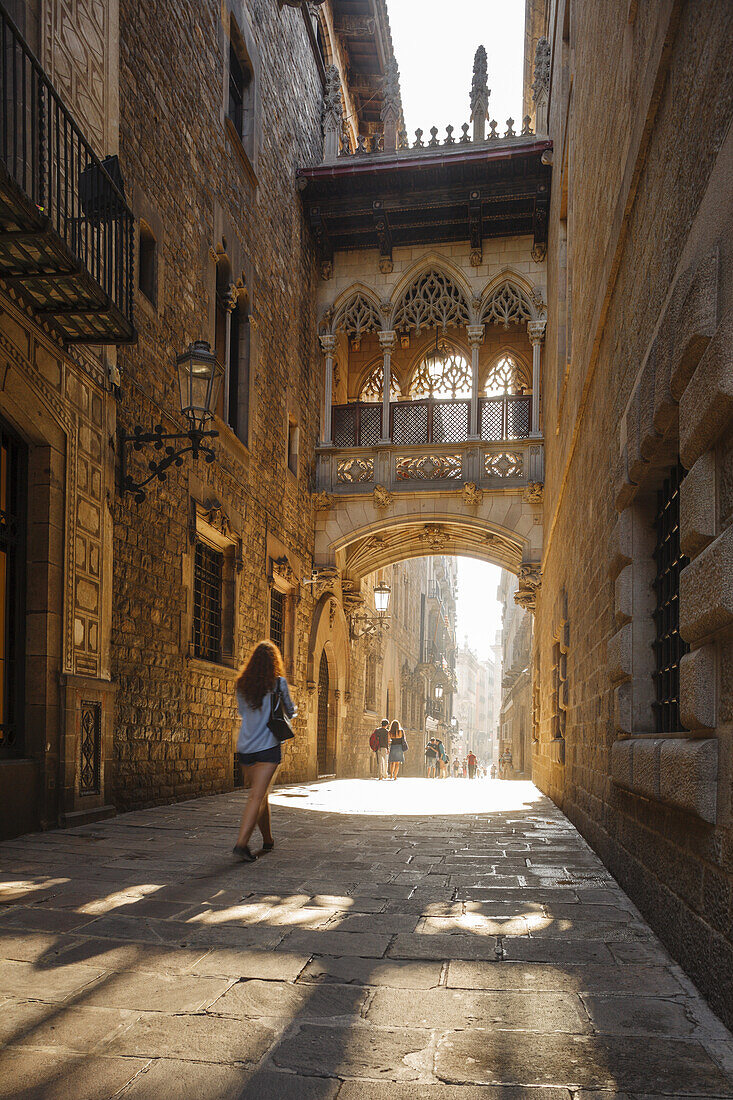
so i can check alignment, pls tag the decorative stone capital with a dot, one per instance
(382, 497)
(530, 581)
(475, 335)
(387, 340)
(533, 493)
(536, 331)
(322, 501)
(230, 298)
(472, 495)
(328, 343)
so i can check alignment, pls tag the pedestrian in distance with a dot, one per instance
(472, 761)
(262, 691)
(456, 768)
(397, 749)
(442, 759)
(493, 771)
(431, 758)
(379, 742)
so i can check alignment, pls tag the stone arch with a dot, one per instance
(456, 343)
(508, 350)
(528, 303)
(329, 638)
(434, 292)
(356, 311)
(376, 366)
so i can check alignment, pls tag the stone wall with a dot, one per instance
(207, 200)
(638, 368)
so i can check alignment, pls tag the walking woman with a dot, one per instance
(397, 749)
(258, 750)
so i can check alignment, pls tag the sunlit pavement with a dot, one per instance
(416, 939)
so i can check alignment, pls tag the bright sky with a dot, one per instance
(434, 45)
(478, 613)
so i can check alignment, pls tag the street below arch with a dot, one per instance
(417, 938)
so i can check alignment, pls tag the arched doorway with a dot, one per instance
(325, 766)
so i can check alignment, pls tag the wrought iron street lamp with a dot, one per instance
(438, 692)
(199, 382)
(364, 623)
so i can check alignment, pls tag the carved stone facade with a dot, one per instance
(637, 496)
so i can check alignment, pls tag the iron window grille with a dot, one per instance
(277, 618)
(207, 602)
(669, 648)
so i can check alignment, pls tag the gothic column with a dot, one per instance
(387, 342)
(328, 344)
(536, 333)
(475, 339)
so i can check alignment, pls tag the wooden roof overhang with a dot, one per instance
(426, 196)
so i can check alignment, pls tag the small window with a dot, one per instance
(370, 684)
(241, 88)
(669, 648)
(147, 264)
(207, 602)
(293, 446)
(277, 618)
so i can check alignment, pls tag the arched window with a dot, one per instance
(446, 374)
(371, 389)
(505, 375)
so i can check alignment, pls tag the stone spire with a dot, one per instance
(541, 84)
(332, 115)
(391, 105)
(479, 95)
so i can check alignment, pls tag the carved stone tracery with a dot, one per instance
(432, 301)
(506, 306)
(357, 315)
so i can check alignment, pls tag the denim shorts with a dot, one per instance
(266, 756)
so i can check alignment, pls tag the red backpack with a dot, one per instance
(374, 741)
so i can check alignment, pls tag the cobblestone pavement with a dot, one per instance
(437, 939)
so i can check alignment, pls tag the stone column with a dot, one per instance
(475, 339)
(536, 333)
(387, 342)
(328, 344)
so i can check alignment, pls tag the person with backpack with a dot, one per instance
(262, 699)
(431, 757)
(397, 748)
(379, 744)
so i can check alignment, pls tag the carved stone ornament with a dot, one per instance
(217, 518)
(326, 581)
(322, 501)
(479, 88)
(326, 270)
(386, 265)
(283, 568)
(530, 581)
(472, 495)
(310, 687)
(476, 257)
(541, 82)
(331, 614)
(539, 252)
(533, 493)
(392, 100)
(434, 536)
(382, 497)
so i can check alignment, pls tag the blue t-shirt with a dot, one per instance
(254, 733)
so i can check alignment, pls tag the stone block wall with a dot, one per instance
(208, 204)
(638, 368)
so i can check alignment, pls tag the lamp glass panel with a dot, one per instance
(381, 598)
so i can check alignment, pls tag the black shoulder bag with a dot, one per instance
(278, 722)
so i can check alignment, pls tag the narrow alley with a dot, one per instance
(403, 940)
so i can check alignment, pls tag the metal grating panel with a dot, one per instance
(277, 618)
(207, 585)
(518, 417)
(450, 421)
(371, 425)
(669, 647)
(344, 425)
(492, 420)
(409, 423)
(90, 772)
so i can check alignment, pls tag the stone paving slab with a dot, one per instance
(132, 965)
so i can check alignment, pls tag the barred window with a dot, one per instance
(207, 602)
(669, 647)
(277, 618)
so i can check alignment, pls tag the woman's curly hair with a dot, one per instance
(259, 674)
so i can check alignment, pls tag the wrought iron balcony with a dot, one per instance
(66, 231)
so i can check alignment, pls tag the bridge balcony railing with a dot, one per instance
(431, 420)
(430, 466)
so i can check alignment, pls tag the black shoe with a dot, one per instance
(268, 847)
(243, 853)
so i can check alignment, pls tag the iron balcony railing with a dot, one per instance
(49, 159)
(359, 424)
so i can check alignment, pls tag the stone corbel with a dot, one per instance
(530, 582)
